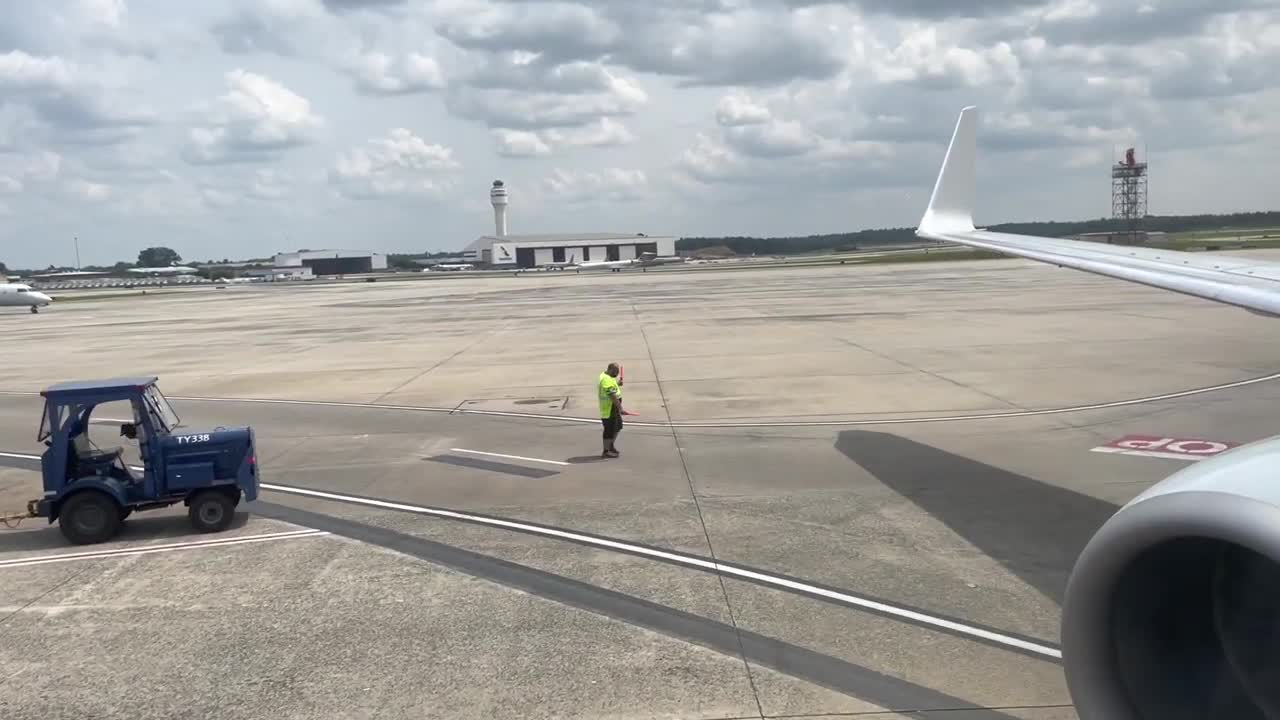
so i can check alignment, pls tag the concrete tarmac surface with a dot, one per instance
(848, 491)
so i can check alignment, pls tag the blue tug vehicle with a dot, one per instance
(89, 491)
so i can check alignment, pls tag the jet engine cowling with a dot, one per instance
(1172, 611)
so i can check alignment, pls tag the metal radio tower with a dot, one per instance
(1129, 194)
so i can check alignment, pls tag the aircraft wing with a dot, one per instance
(1245, 283)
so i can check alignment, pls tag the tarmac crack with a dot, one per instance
(1061, 421)
(486, 336)
(886, 691)
(693, 493)
(46, 593)
(930, 373)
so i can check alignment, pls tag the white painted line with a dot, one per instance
(509, 457)
(170, 547)
(689, 561)
(686, 560)
(20, 456)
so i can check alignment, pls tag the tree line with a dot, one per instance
(745, 245)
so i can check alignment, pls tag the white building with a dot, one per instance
(528, 251)
(333, 262)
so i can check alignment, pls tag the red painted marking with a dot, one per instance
(1166, 447)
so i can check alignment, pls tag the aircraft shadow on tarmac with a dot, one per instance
(1035, 530)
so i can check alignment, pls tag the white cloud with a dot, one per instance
(66, 102)
(90, 191)
(739, 109)
(268, 184)
(108, 13)
(503, 107)
(377, 73)
(269, 26)
(605, 132)
(519, 143)
(20, 71)
(39, 167)
(400, 163)
(608, 185)
(257, 118)
(923, 57)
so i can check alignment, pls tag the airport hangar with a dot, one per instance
(529, 251)
(332, 262)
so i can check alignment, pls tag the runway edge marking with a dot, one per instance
(879, 607)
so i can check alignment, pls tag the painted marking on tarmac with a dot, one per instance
(883, 608)
(149, 549)
(727, 424)
(1190, 449)
(692, 561)
(509, 457)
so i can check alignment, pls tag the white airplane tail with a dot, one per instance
(951, 206)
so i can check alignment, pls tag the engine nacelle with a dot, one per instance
(1172, 611)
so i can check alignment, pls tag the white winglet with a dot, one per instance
(1244, 282)
(951, 206)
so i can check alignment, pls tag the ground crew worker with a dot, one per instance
(610, 397)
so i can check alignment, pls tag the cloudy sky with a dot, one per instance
(245, 127)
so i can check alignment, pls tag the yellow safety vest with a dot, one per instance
(606, 389)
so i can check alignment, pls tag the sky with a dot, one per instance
(243, 128)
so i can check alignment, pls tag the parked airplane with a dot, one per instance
(643, 261)
(19, 295)
(166, 270)
(452, 267)
(1173, 608)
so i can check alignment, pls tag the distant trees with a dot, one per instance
(217, 273)
(889, 236)
(158, 257)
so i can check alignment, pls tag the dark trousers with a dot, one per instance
(612, 425)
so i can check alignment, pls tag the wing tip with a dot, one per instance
(951, 205)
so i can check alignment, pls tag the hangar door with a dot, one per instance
(524, 257)
(340, 266)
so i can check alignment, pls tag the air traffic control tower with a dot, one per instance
(498, 198)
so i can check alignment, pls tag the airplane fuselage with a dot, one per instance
(19, 295)
(644, 261)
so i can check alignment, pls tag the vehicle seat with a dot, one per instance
(98, 457)
(86, 459)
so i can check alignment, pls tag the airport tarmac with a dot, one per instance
(848, 491)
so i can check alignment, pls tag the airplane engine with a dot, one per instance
(1172, 611)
